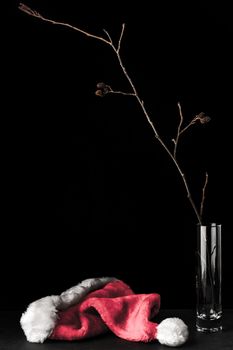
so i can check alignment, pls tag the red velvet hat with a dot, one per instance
(98, 305)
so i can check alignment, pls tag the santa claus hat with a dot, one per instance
(95, 306)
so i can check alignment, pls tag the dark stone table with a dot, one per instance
(12, 337)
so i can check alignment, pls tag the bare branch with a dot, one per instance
(178, 130)
(29, 11)
(122, 93)
(108, 35)
(203, 194)
(121, 36)
(36, 14)
(103, 89)
(188, 126)
(201, 117)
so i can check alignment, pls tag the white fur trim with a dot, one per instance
(172, 332)
(75, 294)
(39, 320)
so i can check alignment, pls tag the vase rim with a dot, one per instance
(212, 224)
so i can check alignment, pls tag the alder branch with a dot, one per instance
(107, 33)
(122, 93)
(201, 117)
(176, 140)
(203, 194)
(121, 36)
(36, 14)
(134, 93)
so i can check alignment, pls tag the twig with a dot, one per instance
(178, 130)
(134, 93)
(188, 126)
(109, 37)
(203, 194)
(201, 117)
(104, 89)
(122, 93)
(36, 14)
(121, 36)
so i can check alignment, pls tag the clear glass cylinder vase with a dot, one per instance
(209, 278)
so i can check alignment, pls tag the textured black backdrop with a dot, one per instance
(87, 191)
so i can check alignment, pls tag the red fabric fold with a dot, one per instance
(114, 307)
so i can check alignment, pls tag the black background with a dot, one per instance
(87, 190)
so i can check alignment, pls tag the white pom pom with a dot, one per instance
(172, 332)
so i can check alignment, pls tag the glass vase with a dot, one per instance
(209, 278)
